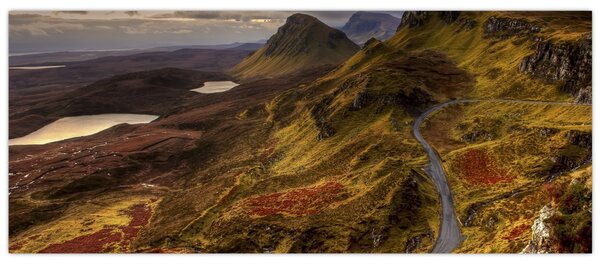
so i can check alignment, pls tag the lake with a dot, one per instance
(77, 126)
(215, 87)
(36, 67)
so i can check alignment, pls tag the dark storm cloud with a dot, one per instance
(31, 31)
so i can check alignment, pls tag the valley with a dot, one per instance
(436, 132)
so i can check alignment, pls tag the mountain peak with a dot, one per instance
(301, 19)
(364, 25)
(302, 42)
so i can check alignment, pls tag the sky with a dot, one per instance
(32, 31)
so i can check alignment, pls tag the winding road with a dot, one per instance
(449, 236)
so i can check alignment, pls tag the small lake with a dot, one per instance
(215, 87)
(77, 126)
(37, 67)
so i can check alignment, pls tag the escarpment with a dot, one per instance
(567, 62)
(413, 19)
(507, 27)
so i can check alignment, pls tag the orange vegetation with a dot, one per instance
(300, 201)
(516, 232)
(109, 238)
(478, 168)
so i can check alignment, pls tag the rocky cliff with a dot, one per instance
(558, 58)
(507, 27)
(413, 19)
(540, 236)
(569, 63)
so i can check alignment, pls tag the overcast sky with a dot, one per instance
(80, 30)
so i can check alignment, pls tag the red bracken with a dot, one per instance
(300, 201)
(480, 169)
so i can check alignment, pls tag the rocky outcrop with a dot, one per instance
(319, 114)
(360, 101)
(507, 27)
(581, 139)
(449, 16)
(413, 19)
(569, 63)
(540, 236)
(415, 242)
(577, 152)
(467, 23)
(372, 45)
(584, 95)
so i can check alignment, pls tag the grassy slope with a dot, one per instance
(524, 139)
(372, 151)
(385, 202)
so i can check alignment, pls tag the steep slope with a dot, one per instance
(512, 165)
(303, 42)
(352, 127)
(363, 26)
(329, 164)
(526, 55)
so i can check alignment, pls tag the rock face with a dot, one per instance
(566, 62)
(372, 46)
(413, 19)
(508, 27)
(449, 16)
(365, 25)
(540, 236)
(319, 114)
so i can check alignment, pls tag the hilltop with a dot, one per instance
(303, 42)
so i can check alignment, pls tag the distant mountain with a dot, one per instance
(103, 67)
(364, 25)
(302, 42)
(249, 46)
(72, 56)
(236, 45)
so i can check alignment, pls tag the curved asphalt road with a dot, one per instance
(449, 236)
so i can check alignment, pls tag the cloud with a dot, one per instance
(182, 31)
(44, 28)
(131, 13)
(74, 12)
(244, 16)
(153, 27)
